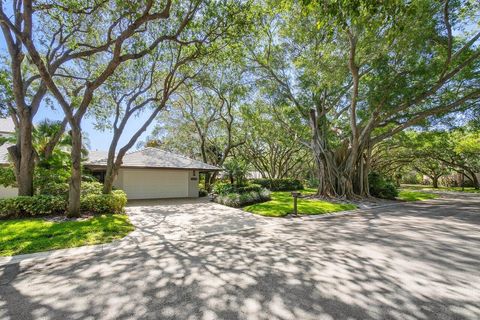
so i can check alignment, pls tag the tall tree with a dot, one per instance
(358, 73)
(111, 32)
(23, 92)
(207, 110)
(432, 153)
(145, 86)
(273, 151)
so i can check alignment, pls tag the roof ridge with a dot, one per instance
(105, 159)
(177, 154)
(101, 159)
(164, 154)
(181, 155)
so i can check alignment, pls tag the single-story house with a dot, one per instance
(149, 173)
(152, 173)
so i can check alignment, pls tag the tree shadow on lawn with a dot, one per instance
(29, 235)
(282, 204)
(386, 265)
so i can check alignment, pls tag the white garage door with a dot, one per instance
(154, 184)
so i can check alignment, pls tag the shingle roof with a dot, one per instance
(6, 125)
(145, 158)
(95, 155)
(157, 158)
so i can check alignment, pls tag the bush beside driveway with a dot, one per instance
(411, 261)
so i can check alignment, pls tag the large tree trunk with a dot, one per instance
(27, 160)
(339, 175)
(208, 184)
(472, 177)
(476, 183)
(76, 176)
(112, 169)
(23, 157)
(435, 181)
(110, 175)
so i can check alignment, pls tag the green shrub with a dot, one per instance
(229, 199)
(380, 187)
(7, 177)
(226, 188)
(104, 203)
(279, 184)
(223, 188)
(249, 187)
(202, 192)
(45, 205)
(243, 199)
(265, 195)
(61, 189)
(54, 189)
(312, 183)
(91, 187)
(40, 205)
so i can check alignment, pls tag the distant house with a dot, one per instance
(149, 173)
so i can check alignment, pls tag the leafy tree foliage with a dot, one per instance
(273, 151)
(358, 73)
(278, 84)
(431, 153)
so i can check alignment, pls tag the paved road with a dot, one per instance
(415, 261)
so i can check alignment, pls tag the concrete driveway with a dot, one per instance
(413, 261)
(175, 219)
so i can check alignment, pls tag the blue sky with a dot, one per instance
(98, 140)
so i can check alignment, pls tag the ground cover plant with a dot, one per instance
(281, 205)
(20, 236)
(413, 195)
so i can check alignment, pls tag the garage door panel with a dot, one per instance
(152, 184)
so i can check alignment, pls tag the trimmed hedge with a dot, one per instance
(279, 184)
(104, 203)
(45, 205)
(223, 188)
(61, 189)
(237, 200)
(41, 205)
(249, 188)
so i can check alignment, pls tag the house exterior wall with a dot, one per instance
(7, 192)
(156, 183)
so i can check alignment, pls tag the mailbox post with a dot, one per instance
(295, 195)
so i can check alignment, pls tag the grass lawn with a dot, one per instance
(426, 187)
(34, 234)
(282, 204)
(413, 195)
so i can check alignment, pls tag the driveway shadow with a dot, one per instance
(175, 219)
(411, 262)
